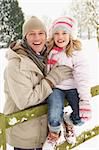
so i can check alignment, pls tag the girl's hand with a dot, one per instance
(85, 110)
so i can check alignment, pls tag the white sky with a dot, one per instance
(40, 8)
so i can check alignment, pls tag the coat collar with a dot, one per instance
(28, 64)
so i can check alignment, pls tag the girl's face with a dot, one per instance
(61, 38)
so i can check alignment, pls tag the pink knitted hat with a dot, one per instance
(67, 24)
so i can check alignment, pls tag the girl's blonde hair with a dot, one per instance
(72, 45)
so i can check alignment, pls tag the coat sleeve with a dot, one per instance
(81, 73)
(21, 88)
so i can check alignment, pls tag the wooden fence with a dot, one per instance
(7, 121)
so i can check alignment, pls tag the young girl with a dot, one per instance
(65, 49)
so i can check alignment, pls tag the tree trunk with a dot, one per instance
(89, 36)
(97, 30)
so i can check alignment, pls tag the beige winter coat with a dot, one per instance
(22, 90)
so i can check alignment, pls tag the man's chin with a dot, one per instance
(37, 49)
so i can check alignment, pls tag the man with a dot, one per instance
(26, 84)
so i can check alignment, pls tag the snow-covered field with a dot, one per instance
(92, 51)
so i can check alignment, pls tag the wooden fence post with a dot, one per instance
(2, 132)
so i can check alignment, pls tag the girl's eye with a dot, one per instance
(56, 33)
(64, 33)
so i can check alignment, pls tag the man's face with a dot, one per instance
(36, 40)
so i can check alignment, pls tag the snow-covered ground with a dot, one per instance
(2, 66)
(92, 52)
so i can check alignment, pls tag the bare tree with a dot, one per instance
(87, 14)
(93, 7)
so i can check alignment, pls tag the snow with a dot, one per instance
(92, 144)
(92, 52)
(3, 62)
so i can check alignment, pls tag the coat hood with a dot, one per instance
(15, 51)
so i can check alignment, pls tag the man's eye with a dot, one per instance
(31, 34)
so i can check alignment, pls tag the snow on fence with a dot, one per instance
(7, 121)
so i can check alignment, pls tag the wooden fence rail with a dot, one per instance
(7, 121)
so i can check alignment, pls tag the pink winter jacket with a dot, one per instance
(81, 74)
